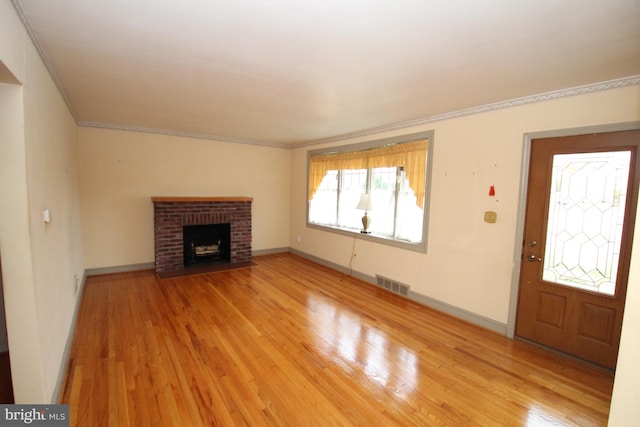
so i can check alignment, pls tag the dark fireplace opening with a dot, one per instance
(206, 244)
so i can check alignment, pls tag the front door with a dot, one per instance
(581, 205)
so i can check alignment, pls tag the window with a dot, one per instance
(392, 172)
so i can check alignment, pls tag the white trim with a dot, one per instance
(45, 60)
(113, 126)
(547, 96)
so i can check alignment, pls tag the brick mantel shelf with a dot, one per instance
(201, 199)
(171, 214)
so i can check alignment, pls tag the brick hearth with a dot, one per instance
(170, 214)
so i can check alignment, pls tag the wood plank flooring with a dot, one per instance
(290, 343)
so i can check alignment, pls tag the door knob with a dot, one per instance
(532, 258)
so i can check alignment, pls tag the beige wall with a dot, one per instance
(39, 169)
(15, 250)
(51, 137)
(122, 170)
(469, 263)
(625, 410)
(12, 43)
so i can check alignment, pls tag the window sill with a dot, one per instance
(372, 237)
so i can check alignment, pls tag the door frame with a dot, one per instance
(522, 202)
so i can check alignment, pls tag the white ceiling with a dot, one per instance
(289, 72)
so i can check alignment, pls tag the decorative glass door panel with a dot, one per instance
(582, 198)
(584, 225)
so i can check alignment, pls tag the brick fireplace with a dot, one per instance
(171, 214)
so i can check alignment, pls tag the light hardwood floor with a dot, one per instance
(290, 343)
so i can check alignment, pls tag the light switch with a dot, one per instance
(490, 217)
(46, 216)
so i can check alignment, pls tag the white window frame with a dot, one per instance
(413, 246)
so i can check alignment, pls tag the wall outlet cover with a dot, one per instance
(490, 217)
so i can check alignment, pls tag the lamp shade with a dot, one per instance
(365, 203)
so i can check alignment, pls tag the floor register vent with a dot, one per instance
(392, 285)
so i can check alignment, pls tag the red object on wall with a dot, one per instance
(492, 191)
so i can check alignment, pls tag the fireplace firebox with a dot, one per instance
(206, 244)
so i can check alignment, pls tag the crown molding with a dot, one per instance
(45, 60)
(546, 96)
(113, 126)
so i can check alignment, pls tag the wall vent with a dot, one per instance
(392, 285)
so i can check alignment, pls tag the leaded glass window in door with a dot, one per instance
(586, 213)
